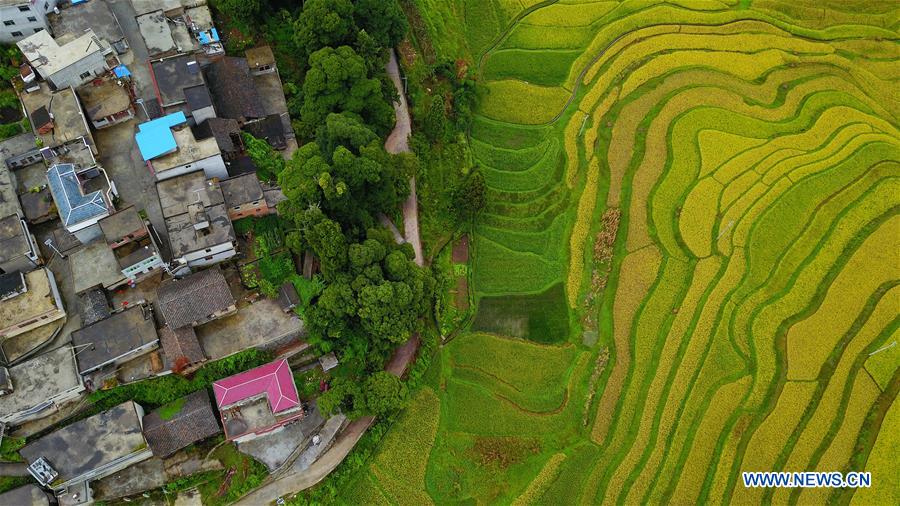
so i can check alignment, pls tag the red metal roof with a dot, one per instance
(273, 379)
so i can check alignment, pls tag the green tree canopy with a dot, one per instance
(349, 187)
(382, 19)
(268, 163)
(324, 23)
(373, 304)
(338, 81)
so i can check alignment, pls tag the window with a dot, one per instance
(85, 75)
(24, 8)
(46, 6)
(32, 19)
(9, 22)
(16, 34)
(36, 30)
(208, 250)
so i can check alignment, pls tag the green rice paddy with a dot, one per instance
(754, 153)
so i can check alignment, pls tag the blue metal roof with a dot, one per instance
(74, 206)
(208, 36)
(154, 138)
(122, 71)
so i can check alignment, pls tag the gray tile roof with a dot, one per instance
(73, 205)
(180, 424)
(183, 302)
(181, 342)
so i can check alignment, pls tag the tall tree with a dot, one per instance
(324, 23)
(382, 19)
(338, 81)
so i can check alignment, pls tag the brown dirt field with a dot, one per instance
(461, 250)
(461, 298)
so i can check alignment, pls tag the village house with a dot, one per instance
(174, 152)
(88, 449)
(75, 18)
(258, 401)
(79, 211)
(68, 65)
(200, 232)
(180, 424)
(106, 101)
(260, 60)
(31, 495)
(196, 299)
(128, 236)
(115, 340)
(233, 91)
(18, 248)
(40, 386)
(244, 197)
(172, 75)
(30, 312)
(57, 120)
(227, 134)
(23, 18)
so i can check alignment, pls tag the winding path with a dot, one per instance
(294, 481)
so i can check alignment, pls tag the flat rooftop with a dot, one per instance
(68, 123)
(13, 241)
(242, 189)
(173, 75)
(9, 200)
(36, 301)
(175, 194)
(48, 56)
(145, 6)
(189, 150)
(74, 20)
(94, 442)
(104, 99)
(156, 33)
(184, 238)
(43, 377)
(95, 264)
(114, 337)
(124, 224)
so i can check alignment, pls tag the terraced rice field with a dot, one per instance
(753, 150)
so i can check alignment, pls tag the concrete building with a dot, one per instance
(36, 305)
(23, 18)
(157, 35)
(79, 211)
(29, 495)
(171, 153)
(244, 197)
(40, 386)
(106, 101)
(89, 449)
(115, 340)
(258, 401)
(76, 18)
(57, 118)
(195, 300)
(18, 249)
(68, 65)
(128, 236)
(172, 75)
(200, 232)
(260, 60)
(199, 103)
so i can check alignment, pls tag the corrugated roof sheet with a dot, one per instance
(74, 206)
(155, 138)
